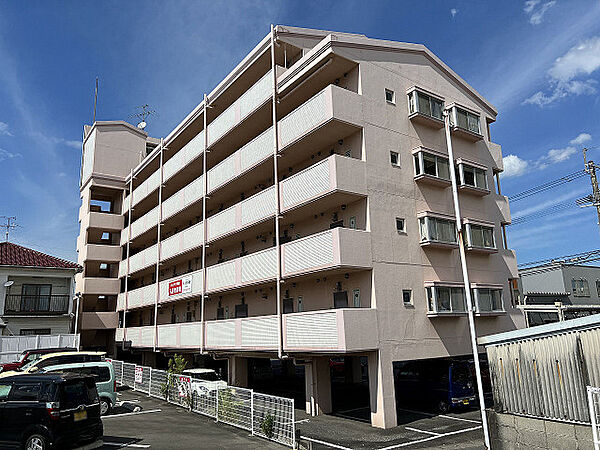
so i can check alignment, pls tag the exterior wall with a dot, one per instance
(558, 279)
(547, 281)
(591, 274)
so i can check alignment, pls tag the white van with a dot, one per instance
(204, 381)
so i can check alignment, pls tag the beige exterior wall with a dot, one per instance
(336, 97)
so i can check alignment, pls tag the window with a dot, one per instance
(35, 297)
(352, 223)
(390, 97)
(472, 176)
(446, 299)
(395, 159)
(34, 331)
(580, 287)
(598, 287)
(103, 266)
(432, 165)
(407, 297)
(105, 236)
(340, 299)
(434, 229)
(288, 305)
(466, 120)
(4, 390)
(427, 105)
(241, 310)
(356, 298)
(488, 300)
(300, 305)
(25, 393)
(400, 225)
(515, 293)
(480, 236)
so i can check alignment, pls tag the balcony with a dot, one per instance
(335, 330)
(99, 320)
(137, 298)
(36, 304)
(100, 286)
(503, 208)
(183, 198)
(148, 186)
(139, 261)
(100, 252)
(143, 224)
(509, 258)
(103, 221)
(188, 153)
(496, 152)
(182, 242)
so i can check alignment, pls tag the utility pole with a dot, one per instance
(590, 168)
(8, 226)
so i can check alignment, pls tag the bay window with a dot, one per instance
(437, 230)
(461, 118)
(431, 165)
(480, 236)
(422, 103)
(472, 178)
(488, 300)
(446, 299)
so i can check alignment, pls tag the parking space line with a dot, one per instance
(303, 420)
(328, 444)
(422, 431)
(460, 418)
(131, 413)
(430, 438)
(125, 444)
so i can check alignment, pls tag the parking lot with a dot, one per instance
(160, 425)
(144, 422)
(415, 430)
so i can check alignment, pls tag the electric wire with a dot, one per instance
(547, 186)
(559, 207)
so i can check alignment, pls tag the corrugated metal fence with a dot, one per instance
(546, 376)
(263, 415)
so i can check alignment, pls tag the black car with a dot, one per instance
(55, 410)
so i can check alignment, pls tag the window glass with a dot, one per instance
(432, 228)
(485, 300)
(488, 237)
(468, 175)
(443, 298)
(473, 121)
(443, 168)
(4, 390)
(394, 158)
(429, 163)
(76, 393)
(417, 165)
(411, 102)
(407, 296)
(497, 300)
(430, 304)
(461, 119)
(400, 225)
(437, 106)
(424, 105)
(389, 96)
(480, 179)
(423, 229)
(25, 392)
(476, 236)
(458, 299)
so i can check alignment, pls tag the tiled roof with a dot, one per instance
(16, 255)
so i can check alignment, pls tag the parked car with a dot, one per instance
(441, 383)
(49, 411)
(52, 359)
(204, 381)
(104, 375)
(31, 355)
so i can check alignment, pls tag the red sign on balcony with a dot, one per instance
(180, 286)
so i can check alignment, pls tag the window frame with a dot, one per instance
(425, 223)
(397, 156)
(463, 184)
(432, 294)
(410, 295)
(393, 95)
(476, 294)
(419, 165)
(584, 290)
(469, 232)
(403, 228)
(414, 104)
(455, 123)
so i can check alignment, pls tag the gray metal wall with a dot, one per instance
(546, 377)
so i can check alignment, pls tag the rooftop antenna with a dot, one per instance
(8, 225)
(95, 101)
(142, 115)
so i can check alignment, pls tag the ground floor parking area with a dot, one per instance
(143, 422)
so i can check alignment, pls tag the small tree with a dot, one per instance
(177, 364)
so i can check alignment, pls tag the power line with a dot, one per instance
(591, 255)
(548, 185)
(543, 213)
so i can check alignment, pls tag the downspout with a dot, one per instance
(158, 249)
(277, 199)
(204, 235)
(467, 284)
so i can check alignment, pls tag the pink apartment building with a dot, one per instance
(303, 211)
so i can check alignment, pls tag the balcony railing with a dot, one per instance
(341, 330)
(36, 304)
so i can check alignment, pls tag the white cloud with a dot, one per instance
(73, 144)
(454, 12)
(4, 129)
(514, 166)
(581, 60)
(5, 154)
(560, 154)
(581, 139)
(536, 15)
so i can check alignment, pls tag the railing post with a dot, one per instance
(150, 383)
(122, 371)
(217, 415)
(252, 412)
(293, 424)
(37, 341)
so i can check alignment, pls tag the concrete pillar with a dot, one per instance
(381, 391)
(238, 371)
(356, 370)
(318, 387)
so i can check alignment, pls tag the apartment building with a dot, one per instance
(302, 210)
(36, 292)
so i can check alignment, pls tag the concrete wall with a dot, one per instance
(508, 431)
(547, 281)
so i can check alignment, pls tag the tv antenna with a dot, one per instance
(8, 225)
(142, 115)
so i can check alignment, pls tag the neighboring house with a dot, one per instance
(348, 250)
(559, 291)
(36, 292)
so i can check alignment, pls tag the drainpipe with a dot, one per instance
(467, 284)
(204, 235)
(158, 249)
(277, 201)
(127, 272)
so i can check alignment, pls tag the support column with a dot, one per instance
(317, 379)
(238, 371)
(381, 391)
(356, 370)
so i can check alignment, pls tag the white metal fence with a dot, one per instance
(593, 395)
(12, 346)
(264, 415)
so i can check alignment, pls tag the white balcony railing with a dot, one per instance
(182, 242)
(339, 330)
(140, 297)
(144, 223)
(303, 119)
(183, 286)
(143, 259)
(148, 186)
(189, 152)
(183, 198)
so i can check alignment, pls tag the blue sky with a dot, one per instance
(538, 61)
